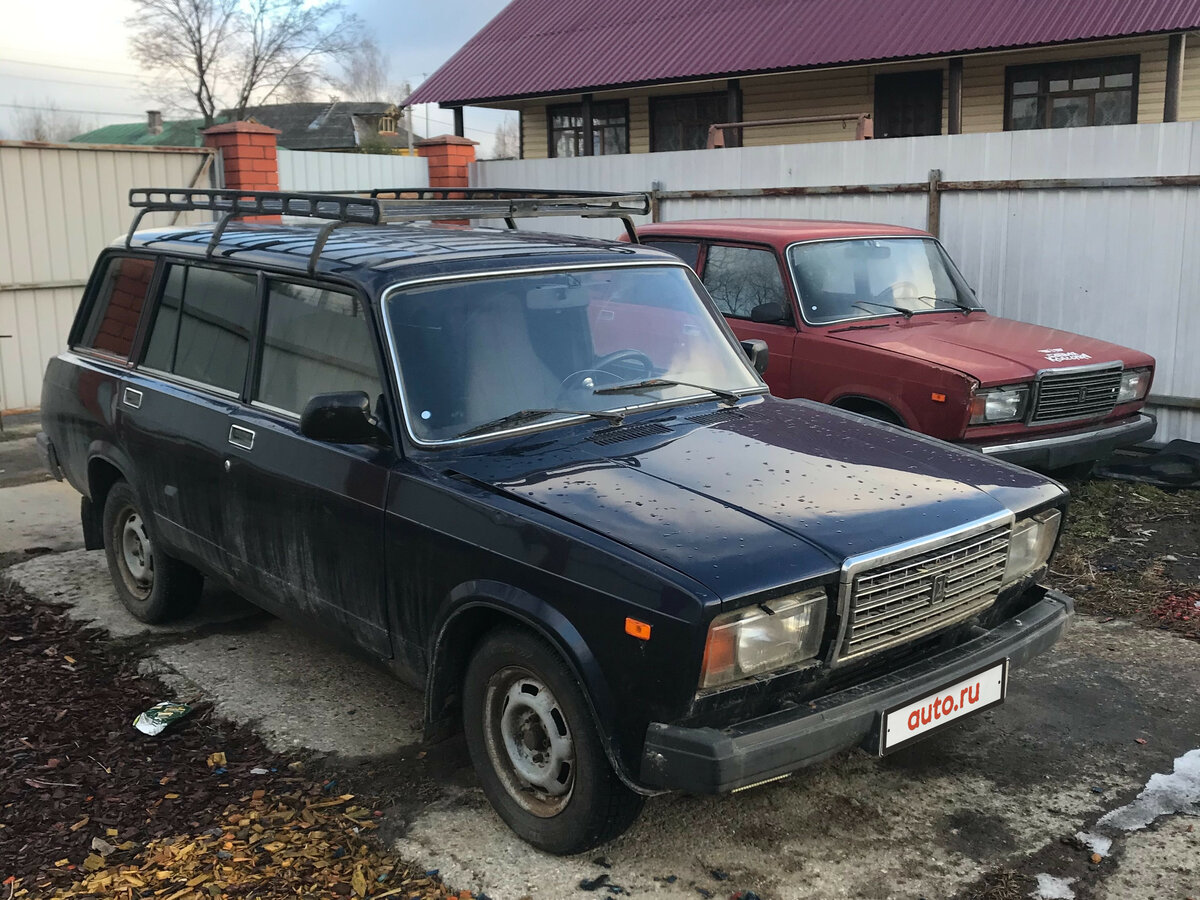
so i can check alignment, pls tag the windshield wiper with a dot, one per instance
(532, 415)
(907, 313)
(967, 310)
(635, 386)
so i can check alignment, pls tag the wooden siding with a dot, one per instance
(852, 90)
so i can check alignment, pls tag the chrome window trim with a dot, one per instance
(553, 423)
(870, 237)
(279, 411)
(852, 565)
(183, 381)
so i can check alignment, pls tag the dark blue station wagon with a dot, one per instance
(539, 478)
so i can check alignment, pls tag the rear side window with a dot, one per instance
(741, 278)
(688, 251)
(114, 315)
(203, 325)
(315, 342)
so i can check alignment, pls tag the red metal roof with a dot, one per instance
(539, 47)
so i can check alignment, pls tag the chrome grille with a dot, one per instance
(902, 600)
(1076, 395)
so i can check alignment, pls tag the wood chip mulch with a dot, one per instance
(90, 807)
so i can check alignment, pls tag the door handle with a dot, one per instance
(241, 437)
(132, 398)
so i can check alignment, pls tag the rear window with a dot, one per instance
(113, 319)
(203, 325)
(688, 251)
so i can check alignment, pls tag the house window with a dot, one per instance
(387, 124)
(681, 123)
(610, 128)
(1069, 94)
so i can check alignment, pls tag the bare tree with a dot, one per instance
(208, 55)
(507, 143)
(366, 75)
(46, 123)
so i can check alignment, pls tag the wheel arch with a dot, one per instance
(105, 467)
(864, 404)
(475, 609)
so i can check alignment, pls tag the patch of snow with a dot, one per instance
(1097, 843)
(1164, 795)
(1052, 888)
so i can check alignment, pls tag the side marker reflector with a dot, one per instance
(937, 398)
(639, 630)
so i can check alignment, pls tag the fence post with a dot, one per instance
(933, 216)
(448, 157)
(248, 158)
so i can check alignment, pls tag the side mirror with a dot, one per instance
(756, 352)
(769, 313)
(341, 418)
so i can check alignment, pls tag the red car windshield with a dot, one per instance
(864, 277)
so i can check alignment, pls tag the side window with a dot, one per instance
(203, 325)
(315, 342)
(113, 319)
(688, 251)
(741, 278)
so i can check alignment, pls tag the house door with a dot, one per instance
(908, 104)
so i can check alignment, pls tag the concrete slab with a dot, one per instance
(300, 692)
(45, 515)
(79, 578)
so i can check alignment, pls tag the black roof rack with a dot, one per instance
(381, 206)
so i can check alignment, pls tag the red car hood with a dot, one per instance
(988, 348)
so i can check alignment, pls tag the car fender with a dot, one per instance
(892, 403)
(544, 620)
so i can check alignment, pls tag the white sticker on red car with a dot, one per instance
(1058, 354)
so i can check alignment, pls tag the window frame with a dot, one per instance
(164, 262)
(552, 144)
(91, 294)
(1044, 72)
(254, 368)
(659, 99)
(784, 279)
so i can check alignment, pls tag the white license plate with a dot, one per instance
(983, 690)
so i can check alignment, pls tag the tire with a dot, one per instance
(521, 702)
(154, 587)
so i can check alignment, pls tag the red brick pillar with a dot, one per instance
(248, 157)
(448, 157)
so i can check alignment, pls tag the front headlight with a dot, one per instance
(999, 405)
(763, 638)
(1134, 385)
(1032, 543)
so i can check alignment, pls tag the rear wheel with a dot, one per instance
(153, 586)
(536, 748)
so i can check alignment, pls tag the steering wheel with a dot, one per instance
(575, 380)
(901, 290)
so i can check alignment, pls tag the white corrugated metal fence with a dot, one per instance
(1119, 264)
(303, 170)
(60, 204)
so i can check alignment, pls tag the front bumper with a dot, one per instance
(712, 760)
(1057, 450)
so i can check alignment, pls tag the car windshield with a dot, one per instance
(864, 277)
(488, 354)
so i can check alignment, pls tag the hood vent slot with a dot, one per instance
(720, 415)
(627, 433)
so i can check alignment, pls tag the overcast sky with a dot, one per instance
(74, 54)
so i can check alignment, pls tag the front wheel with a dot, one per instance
(153, 586)
(535, 746)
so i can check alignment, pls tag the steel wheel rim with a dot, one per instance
(135, 553)
(529, 741)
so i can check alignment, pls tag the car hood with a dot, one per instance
(744, 500)
(988, 348)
